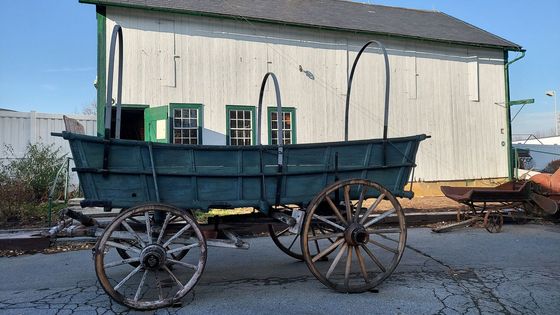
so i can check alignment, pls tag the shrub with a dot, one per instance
(37, 169)
(552, 167)
(26, 182)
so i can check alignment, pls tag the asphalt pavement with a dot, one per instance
(466, 271)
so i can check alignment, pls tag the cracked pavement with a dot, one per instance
(467, 271)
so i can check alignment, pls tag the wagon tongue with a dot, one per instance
(546, 204)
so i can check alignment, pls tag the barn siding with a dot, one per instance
(175, 58)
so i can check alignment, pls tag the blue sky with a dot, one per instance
(48, 52)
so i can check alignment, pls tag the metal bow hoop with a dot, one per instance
(278, 116)
(117, 33)
(387, 87)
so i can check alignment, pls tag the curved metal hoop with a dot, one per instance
(117, 33)
(279, 116)
(387, 87)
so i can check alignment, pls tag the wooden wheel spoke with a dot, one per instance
(327, 250)
(372, 208)
(182, 248)
(123, 281)
(380, 217)
(282, 232)
(181, 286)
(320, 218)
(325, 236)
(176, 235)
(158, 285)
(121, 262)
(347, 203)
(131, 231)
(124, 247)
(360, 203)
(184, 264)
(374, 258)
(163, 227)
(140, 285)
(385, 247)
(148, 227)
(348, 267)
(362, 265)
(335, 210)
(336, 260)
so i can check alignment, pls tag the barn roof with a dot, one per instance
(333, 14)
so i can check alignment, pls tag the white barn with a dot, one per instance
(192, 72)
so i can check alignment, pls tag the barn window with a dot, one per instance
(288, 125)
(187, 123)
(240, 125)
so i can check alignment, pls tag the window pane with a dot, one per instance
(177, 113)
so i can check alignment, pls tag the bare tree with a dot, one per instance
(90, 109)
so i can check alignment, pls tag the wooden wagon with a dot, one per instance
(324, 204)
(514, 199)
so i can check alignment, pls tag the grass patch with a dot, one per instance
(202, 216)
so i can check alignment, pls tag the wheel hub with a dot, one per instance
(153, 257)
(356, 235)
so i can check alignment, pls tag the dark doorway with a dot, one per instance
(132, 123)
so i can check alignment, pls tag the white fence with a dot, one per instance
(19, 129)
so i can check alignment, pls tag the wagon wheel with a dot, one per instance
(493, 221)
(369, 252)
(158, 280)
(134, 243)
(290, 243)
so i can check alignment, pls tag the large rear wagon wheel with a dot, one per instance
(159, 279)
(365, 252)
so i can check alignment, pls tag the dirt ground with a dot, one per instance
(429, 204)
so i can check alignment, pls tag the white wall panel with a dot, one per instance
(18, 129)
(221, 62)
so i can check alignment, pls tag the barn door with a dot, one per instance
(155, 124)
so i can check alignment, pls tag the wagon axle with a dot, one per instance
(356, 235)
(153, 257)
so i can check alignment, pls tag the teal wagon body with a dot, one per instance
(203, 177)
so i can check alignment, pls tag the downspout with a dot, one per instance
(508, 111)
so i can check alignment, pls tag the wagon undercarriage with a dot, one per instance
(152, 255)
